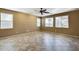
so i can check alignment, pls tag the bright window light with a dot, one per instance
(38, 22)
(62, 22)
(49, 22)
(6, 21)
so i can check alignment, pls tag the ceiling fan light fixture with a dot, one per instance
(42, 11)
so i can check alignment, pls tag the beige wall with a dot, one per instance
(73, 24)
(25, 23)
(22, 23)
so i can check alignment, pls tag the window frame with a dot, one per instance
(51, 24)
(38, 22)
(6, 21)
(62, 21)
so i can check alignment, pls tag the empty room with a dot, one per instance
(39, 29)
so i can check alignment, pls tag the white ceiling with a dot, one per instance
(35, 11)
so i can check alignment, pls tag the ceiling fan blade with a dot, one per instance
(46, 12)
(43, 11)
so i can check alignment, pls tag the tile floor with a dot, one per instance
(39, 41)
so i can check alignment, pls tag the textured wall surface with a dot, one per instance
(22, 23)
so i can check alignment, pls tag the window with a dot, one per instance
(38, 22)
(6, 21)
(49, 22)
(62, 22)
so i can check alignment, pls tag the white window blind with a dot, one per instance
(6, 21)
(49, 22)
(38, 22)
(62, 22)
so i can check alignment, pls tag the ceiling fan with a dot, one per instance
(42, 11)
